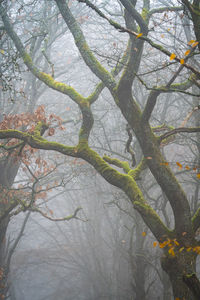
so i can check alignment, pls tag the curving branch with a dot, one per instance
(83, 47)
(179, 130)
(68, 218)
(153, 96)
(161, 10)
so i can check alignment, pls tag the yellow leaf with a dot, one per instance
(198, 175)
(2, 51)
(179, 165)
(182, 61)
(187, 52)
(144, 233)
(181, 249)
(155, 244)
(176, 243)
(177, 298)
(189, 249)
(172, 56)
(195, 44)
(171, 251)
(162, 35)
(191, 42)
(139, 35)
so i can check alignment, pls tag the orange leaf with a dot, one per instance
(187, 167)
(155, 244)
(139, 35)
(187, 52)
(164, 164)
(191, 42)
(198, 175)
(144, 233)
(162, 245)
(172, 56)
(182, 61)
(195, 44)
(179, 165)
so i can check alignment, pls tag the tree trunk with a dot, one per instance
(177, 267)
(9, 168)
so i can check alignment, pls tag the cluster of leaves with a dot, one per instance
(191, 43)
(7, 195)
(174, 246)
(28, 121)
(186, 167)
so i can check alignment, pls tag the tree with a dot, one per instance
(180, 247)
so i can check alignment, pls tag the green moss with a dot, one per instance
(190, 275)
(144, 14)
(85, 103)
(118, 163)
(61, 87)
(115, 24)
(135, 174)
(153, 221)
(27, 59)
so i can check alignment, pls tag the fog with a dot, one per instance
(100, 167)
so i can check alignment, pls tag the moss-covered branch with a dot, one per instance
(38, 142)
(134, 173)
(160, 231)
(83, 47)
(118, 163)
(149, 107)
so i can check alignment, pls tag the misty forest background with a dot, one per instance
(66, 232)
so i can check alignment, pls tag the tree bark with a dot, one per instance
(176, 267)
